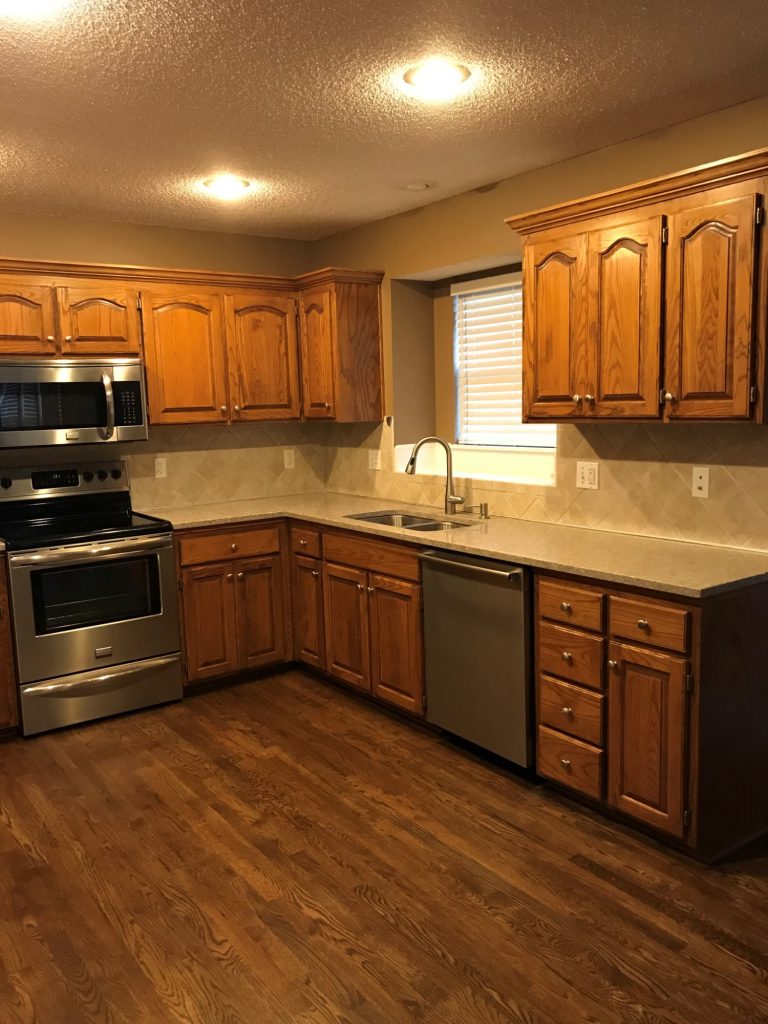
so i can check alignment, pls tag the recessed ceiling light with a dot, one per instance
(228, 187)
(436, 79)
(31, 10)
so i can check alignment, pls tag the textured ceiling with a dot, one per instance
(113, 109)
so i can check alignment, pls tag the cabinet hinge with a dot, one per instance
(424, 702)
(665, 235)
(661, 396)
(752, 394)
(759, 215)
(180, 584)
(686, 818)
(689, 682)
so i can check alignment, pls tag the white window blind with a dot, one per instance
(488, 348)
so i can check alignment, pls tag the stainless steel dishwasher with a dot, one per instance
(476, 629)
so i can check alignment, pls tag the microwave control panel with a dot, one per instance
(128, 406)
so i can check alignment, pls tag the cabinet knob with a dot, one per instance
(568, 712)
(371, 590)
(50, 338)
(613, 664)
(233, 547)
(326, 405)
(643, 624)
(590, 399)
(567, 656)
(241, 575)
(223, 410)
(315, 572)
(577, 399)
(230, 575)
(303, 543)
(360, 586)
(565, 606)
(67, 337)
(237, 409)
(565, 763)
(669, 398)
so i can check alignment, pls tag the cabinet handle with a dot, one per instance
(241, 575)
(315, 572)
(613, 664)
(233, 547)
(643, 624)
(669, 398)
(577, 399)
(565, 606)
(223, 410)
(568, 712)
(565, 763)
(567, 656)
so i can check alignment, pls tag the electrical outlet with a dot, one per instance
(588, 475)
(289, 458)
(161, 470)
(700, 482)
(374, 458)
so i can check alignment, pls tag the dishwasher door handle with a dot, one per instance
(511, 575)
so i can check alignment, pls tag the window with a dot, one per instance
(488, 342)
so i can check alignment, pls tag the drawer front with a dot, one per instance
(215, 547)
(378, 556)
(570, 762)
(569, 603)
(571, 709)
(644, 623)
(571, 655)
(306, 541)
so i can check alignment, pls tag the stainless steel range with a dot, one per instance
(93, 595)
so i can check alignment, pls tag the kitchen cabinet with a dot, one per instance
(317, 353)
(9, 714)
(307, 594)
(235, 600)
(610, 278)
(74, 319)
(373, 618)
(654, 708)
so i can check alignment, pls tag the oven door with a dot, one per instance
(84, 607)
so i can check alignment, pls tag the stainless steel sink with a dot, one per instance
(406, 521)
(401, 519)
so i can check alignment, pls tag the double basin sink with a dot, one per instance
(420, 524)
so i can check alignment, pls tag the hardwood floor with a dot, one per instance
(280, 851)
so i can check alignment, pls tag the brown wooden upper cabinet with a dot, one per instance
(600, 274)
(81, 318)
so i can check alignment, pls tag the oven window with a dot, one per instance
(71, 597)
(52, 406)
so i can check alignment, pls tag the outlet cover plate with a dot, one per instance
(161, 468)
(700, 482)
(588, 475)
(289, 458)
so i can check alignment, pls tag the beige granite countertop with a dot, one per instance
(675, 567)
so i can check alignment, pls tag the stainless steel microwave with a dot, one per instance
(71, 401)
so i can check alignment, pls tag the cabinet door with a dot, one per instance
(308, 625)
(647, 745)
(317, 357)
(99, 320)
(185, 356)
(210, 625)
(27, 318)
(625, 275)
(260, 611)
(263, 357)
(710, 293)
(347, 643)
(397, 657)
(555, 328)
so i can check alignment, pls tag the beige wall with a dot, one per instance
(413, 360)
(50, 238)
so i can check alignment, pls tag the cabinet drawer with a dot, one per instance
(571, 709)
(306, 541)
(571, 654)
(570, 762)
(571, 604)
(658, 625)
(378, 556)
(213, 547)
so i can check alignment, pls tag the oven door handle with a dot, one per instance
(99, 681)
(109, 395)
(91, 552)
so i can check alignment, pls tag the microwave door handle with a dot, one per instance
(109, 394)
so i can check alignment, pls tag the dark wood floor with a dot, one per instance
(281, 851)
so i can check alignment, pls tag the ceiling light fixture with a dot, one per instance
(31, 10)
(228, 187)
(436, 79)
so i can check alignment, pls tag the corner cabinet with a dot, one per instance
(647, 302)
(655, 708)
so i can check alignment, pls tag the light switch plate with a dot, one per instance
(161, 469)
(700, 482)
(374, 458)
(588, 475)
(289, 458)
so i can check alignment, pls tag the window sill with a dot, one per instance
(532, 466)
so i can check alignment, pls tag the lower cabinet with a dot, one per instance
(308, 624)
(347, 632)
(234, 611)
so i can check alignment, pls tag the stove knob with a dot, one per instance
(6, 482)
(102, 474)
(116, 474)
(87, 476)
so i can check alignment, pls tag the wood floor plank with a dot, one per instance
(281, 851)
